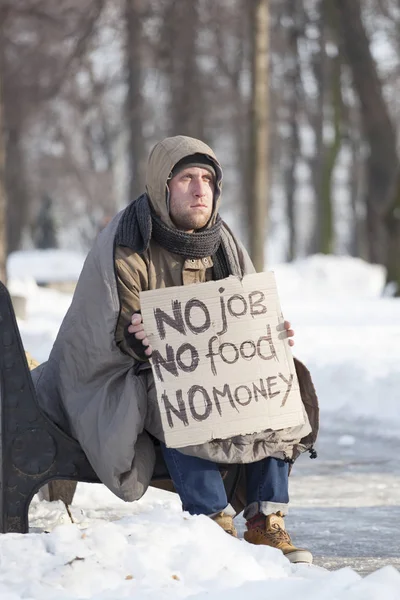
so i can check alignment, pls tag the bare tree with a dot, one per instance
(185, 68)
(36, 68)
(358, 245)
(229, 97)
(187, 113)
(318, 63)
(331, 152)
(3, 200)
(134, 14)
(259, 113)
(293, 79)
(379, 132)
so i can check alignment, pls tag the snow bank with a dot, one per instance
(330, 276)
(45, 311)
(151, 550)
(44, 266)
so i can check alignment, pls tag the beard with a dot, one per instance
(190, 222)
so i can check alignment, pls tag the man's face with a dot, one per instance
(191, 198)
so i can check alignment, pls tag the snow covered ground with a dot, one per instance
(349, 337)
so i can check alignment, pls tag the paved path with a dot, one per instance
(345, 505)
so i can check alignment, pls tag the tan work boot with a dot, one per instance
(226, 522)
(272, 532)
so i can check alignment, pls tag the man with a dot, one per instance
(98, 384)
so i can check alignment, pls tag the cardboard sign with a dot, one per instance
(221, 359)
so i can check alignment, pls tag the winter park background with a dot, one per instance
(86, 89)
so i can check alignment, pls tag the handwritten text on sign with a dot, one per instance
(221, 359)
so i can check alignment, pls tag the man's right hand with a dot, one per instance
(136, 327)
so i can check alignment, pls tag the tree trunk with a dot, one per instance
(16, 189)
(14, 121)
(331, 154)
(3, 199)
(319, 68)
(393, 228)
(382, 162)
(293, 82)
(187, 106)
(358, 242)
(258, 147)
(135, 101)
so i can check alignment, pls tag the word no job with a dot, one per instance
(182, 321)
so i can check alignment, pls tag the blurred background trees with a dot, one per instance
(303, 115)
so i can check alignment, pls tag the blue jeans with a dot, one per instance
(202, 492)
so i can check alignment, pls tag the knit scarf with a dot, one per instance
(138, 225)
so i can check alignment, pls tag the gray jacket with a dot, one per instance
(90, 389)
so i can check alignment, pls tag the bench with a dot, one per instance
(33, 450)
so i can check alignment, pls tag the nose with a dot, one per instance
(200, 188)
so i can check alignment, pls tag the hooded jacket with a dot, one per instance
(90, 386)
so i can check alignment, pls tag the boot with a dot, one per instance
(226, 522)
(270, 531)
(32, 363)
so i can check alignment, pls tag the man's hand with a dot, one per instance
(136, 327)
(289, 332)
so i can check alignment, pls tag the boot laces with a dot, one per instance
(278, 534)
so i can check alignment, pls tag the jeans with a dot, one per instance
(202, 492)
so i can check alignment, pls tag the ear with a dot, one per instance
(167, 197)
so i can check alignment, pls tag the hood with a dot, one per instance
(162, 158)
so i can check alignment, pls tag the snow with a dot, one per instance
(349, 337)
(45, 266)
(346, 440)
(348, 334)
(154, 551)
(321, 276)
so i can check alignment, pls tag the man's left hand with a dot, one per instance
(289, 332)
